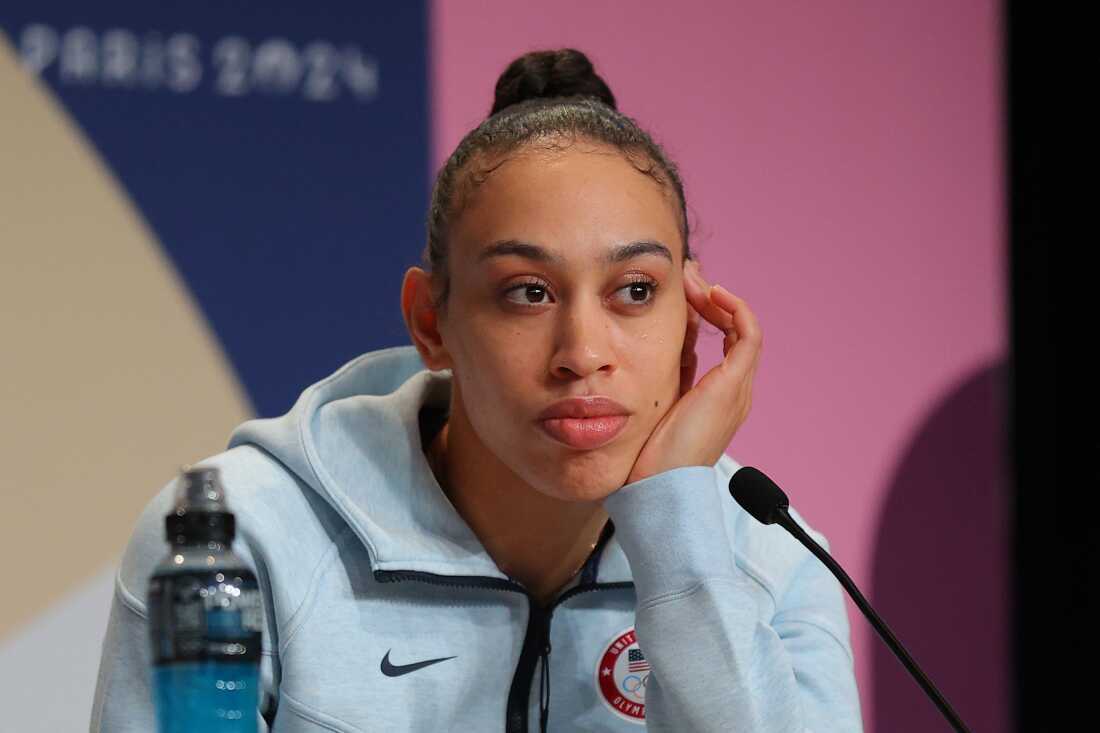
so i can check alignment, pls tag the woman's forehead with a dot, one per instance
(576, 201)
(609, 255)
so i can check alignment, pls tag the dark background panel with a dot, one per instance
(1055, 438)
(939, 578)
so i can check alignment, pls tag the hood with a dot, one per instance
(355, 439)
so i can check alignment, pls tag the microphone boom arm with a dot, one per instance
(783, 518)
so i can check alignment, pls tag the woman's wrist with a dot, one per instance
(672, 528)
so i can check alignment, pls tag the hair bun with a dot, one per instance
(565, 72)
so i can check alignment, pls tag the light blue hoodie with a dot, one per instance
(367, 569)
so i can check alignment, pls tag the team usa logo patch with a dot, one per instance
(622, 675)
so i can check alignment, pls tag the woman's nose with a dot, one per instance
(583, 344)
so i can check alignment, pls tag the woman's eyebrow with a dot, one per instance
(637, 249)
(537, 253)
(519, 249)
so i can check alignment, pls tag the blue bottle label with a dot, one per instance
(205, 629)
(206, 697)
(204, 615)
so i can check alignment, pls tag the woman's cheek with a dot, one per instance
(499, 374)
(651, 350)
(663, 363)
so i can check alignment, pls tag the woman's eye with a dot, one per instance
(639, 292)
(527, 294)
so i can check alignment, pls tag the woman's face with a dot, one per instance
(566, 281)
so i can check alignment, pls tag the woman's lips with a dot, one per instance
(584, 422)
(584, 433)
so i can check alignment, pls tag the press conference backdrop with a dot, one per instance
(203, 210)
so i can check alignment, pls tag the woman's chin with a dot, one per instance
(582, 494)
(585, 481)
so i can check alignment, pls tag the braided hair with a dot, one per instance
(546, 98)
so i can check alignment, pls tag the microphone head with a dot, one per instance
(758, 495)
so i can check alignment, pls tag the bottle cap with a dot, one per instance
(201, 513)
(200, 489)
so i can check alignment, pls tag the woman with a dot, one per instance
(523, 516)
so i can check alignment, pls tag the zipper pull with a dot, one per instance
(544, 680)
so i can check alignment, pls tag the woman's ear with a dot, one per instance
(422, 319)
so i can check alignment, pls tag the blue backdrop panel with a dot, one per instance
(278, 150)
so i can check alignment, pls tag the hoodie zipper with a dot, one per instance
(544, 657)
(536, 640)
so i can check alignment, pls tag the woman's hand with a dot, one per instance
(698, 427)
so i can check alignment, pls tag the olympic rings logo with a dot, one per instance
(632, 682)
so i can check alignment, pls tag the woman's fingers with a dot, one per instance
(691, 332)
(722, 309)
(743, 350)
(689, 360)
(742, 340)
(696, 289)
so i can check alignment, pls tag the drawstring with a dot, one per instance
(544, 684)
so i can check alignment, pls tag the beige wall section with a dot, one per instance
(110, 378)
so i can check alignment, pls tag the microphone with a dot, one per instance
(759, 496)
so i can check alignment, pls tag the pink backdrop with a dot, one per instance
(842, 161)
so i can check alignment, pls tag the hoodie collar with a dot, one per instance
(355, 438)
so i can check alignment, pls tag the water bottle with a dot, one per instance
(204, 618)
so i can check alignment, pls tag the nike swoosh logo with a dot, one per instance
(396, 670)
